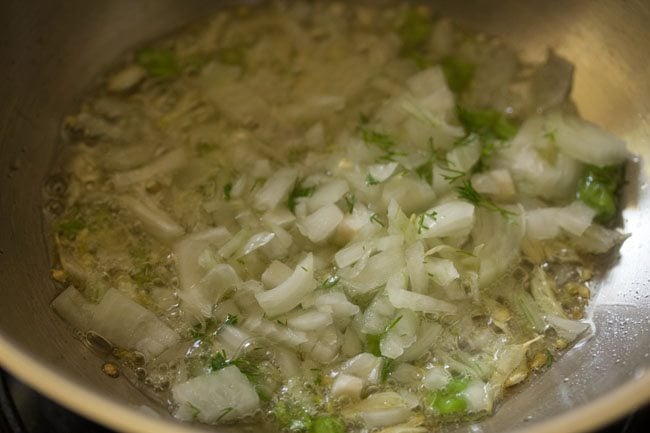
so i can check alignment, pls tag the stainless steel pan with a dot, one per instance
(50, 54)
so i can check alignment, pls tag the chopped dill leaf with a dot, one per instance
(350, 201)
(375, 219)
(370, 180)
(247, 368)
(227, 189)
(422, 226)
(299, 191)
(387, 367)
(467, 192)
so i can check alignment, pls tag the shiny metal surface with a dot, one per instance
(52, 51)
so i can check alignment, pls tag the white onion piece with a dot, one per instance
(256, 241)
(290, 293)
(225, 396)
(567, 329)
(202, 296)
(275, 274)
(436, 378)
(442, 271)
(166, 163)
(155, 220)
(321, 224)
(414, 256)
(401, 335)
(310, 320)
(364, 366)
(347, 386)
(497, 183)
(427, 336)
(188, 249)
(427, 81)
(275, 189)
(454, 218)
(401, 298)
(586, 142)
(477, 398)
(120, 320)
(598, 239)
(542, 223)
(576, 217)
(337, 304)
(381, 409)
(378, 270)
(381, 172)
(282, 217)
(326, 194)
(274, 332)
(351, 254)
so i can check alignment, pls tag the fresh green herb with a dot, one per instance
(467, 192)
(392, 324)
(292, 417)
(373, 344)
(488, 125)
(375, 219)
(414, 31)
(231, 319)
(299, 191)
(327, 424)
(425, 172)
(422, 226)
(350, 201)
(227, 190)
(158, 62)
(387, 367)
(247, 368)
(70, 229)
(597, 189)
(459, 74)
(453, 175)
(370, 180)
(382, 141)
(449, 400)
(373, 340)
(330, 281)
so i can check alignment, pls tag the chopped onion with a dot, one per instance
(401, 298)
(586, 142)
(290, 293)
(321, 224)
(275, 189)
(118, 319)
(224, 395)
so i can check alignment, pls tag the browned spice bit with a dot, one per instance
(59, 275)
(111, 370)
(540, 359)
